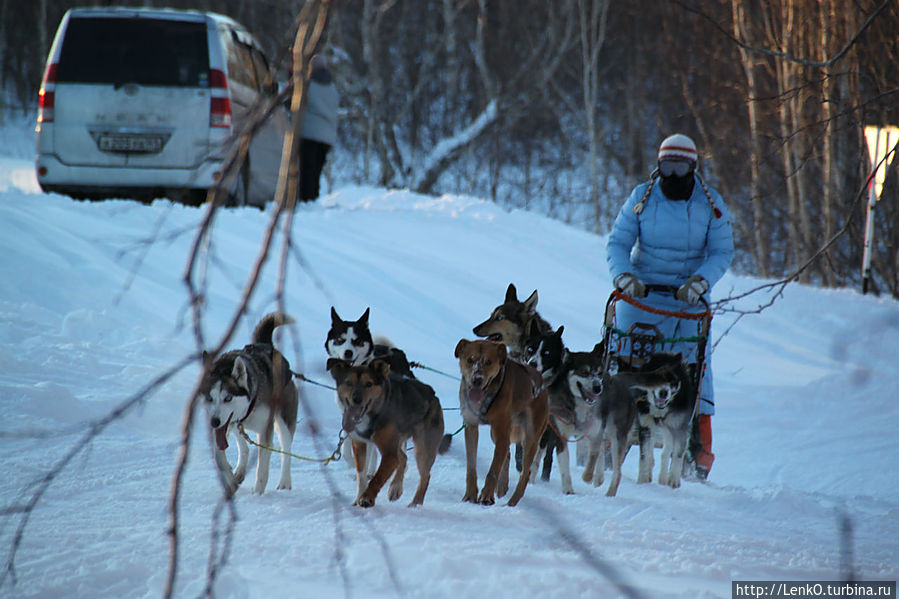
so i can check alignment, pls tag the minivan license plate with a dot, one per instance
(125, 143)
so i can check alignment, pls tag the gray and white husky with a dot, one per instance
(664, 408)
(252, 388)
(657, 397)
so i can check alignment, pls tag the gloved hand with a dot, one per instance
(631, 285)
(692, 290)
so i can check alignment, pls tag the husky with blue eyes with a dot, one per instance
(252, 388)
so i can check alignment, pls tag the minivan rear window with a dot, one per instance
(134, 50)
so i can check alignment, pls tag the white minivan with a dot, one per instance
(144, 103)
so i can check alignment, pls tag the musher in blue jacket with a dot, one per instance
(673, 231)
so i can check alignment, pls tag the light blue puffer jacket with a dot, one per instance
(670, 240)
(667, 243)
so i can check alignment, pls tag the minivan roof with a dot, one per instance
(157, 13)
(124, 12)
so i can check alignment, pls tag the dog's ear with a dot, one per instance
(461, 346)
(363, 320)
(599, 349)
(558, 333)
(511, 294)
(638, 393)
(241, 373)
(530, 304)
(336, 367)
(335, 319)
(381, 368)
(501, 353)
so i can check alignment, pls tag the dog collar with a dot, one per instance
(249, 410)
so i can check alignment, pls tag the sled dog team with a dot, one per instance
(519, 379)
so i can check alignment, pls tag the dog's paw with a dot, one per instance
(471, 495)
(568, 490)
(284, 487)
(365, 501)
(587, 476)
(238, 477)
(394, 492)
(259, 489)
(232, 487)
(486, 499)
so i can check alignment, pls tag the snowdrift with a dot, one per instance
(93, 307)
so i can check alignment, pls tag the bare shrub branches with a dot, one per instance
(310, 25)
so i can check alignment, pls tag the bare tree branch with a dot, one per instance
(787, 55)
(776, 288)
(94, 430)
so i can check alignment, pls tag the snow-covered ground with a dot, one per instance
(93, 307)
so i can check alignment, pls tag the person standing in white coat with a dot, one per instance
(318, 132)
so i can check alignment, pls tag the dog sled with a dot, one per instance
(634, 347)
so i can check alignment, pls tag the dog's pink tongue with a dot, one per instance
(221, 434)
(349, 423)
(475, 395)
(221, 438)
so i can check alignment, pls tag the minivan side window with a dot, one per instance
(143, 51)
(263, 73)
(240, 64)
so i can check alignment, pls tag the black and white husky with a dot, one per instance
(546, 352)
(252, 388)
(574, 381)
(352, 342)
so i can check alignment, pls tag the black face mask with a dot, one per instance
(677, 188)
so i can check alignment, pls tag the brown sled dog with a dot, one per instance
(385, 410)
(509, 396)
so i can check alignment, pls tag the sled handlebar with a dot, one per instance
(672, 289)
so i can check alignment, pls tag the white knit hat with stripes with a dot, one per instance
(678, 146)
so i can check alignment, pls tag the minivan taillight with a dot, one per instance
(219, 101)
(47, 95)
